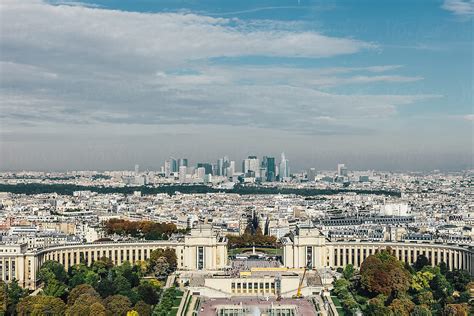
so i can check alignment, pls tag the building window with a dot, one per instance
(309, 256)
(200, 258)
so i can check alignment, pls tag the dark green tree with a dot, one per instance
(41, 305)
(14, 294)
(52, 268)
(148, 293)
(80, 290)
(142, 308)
(117, 305)
(421, 262)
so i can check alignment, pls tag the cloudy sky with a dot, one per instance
(109, 84)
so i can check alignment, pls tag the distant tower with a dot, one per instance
(284, 167)
(341, 170)
(182, 162)
(137, 169)
(167, 168)
(182, 174)
(269, 164)
(251, 166)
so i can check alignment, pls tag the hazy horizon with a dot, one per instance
(107, 84)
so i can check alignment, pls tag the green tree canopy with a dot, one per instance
(52, 269)
(80, 290)
(117, 305)
(41, 305)
(82, 305)
(142, 308)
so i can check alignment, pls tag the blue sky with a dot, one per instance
(107, 84)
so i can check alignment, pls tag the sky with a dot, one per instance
(107, 84)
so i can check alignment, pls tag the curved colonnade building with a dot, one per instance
(202, 250)
(309, 245)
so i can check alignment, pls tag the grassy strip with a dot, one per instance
(337, 303)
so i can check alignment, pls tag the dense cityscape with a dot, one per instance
(236, 158)
(422, 219)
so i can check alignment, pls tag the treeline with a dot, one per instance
(100, 289)
(386, 286)
(140, 229)
(249, 240)
(68, 189)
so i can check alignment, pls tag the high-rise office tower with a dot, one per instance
(341, 170)
(174, 165)
(182, 162)
(182, 174)
(167, 168)
(225, 165)
(220, 167)
(207, 167)
(269, 164)
(230, 170)
(251, 167)
(137, 169)
(201, 173)
(311, 174)
(284, 167)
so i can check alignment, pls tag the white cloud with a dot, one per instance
(160, 38)
(469, 117)
(462, 8)
(89, 66)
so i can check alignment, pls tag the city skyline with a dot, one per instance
(385, 87)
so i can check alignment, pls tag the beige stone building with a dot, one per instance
(308, 245)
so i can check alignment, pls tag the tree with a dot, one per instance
(3, 297)
(142, 308)
(455, 310)
(51, 269)
(14, 294)
(170, 255)
(424, 298)
(130, 273)
(402, 307)
(376, 307)
(348, 271)
(441, 287)
(122, 285)
(161, 268)
(459, 279)
(382, 273)
(148, 293)
(82, 305)
(92, 278)
(97, 309)
(421, 262)
(443, 267)
(421, 280)
(117, 305)
(420, 310)
(77, 274)
(102, 266)
(41, 305)
(80, 290)
(54, 288)
(106, 287)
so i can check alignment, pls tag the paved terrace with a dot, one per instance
(303, 306)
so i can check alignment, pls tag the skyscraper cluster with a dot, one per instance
(265, 169)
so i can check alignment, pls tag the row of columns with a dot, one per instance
(118, 255)
(340, 256)
(8, 268)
